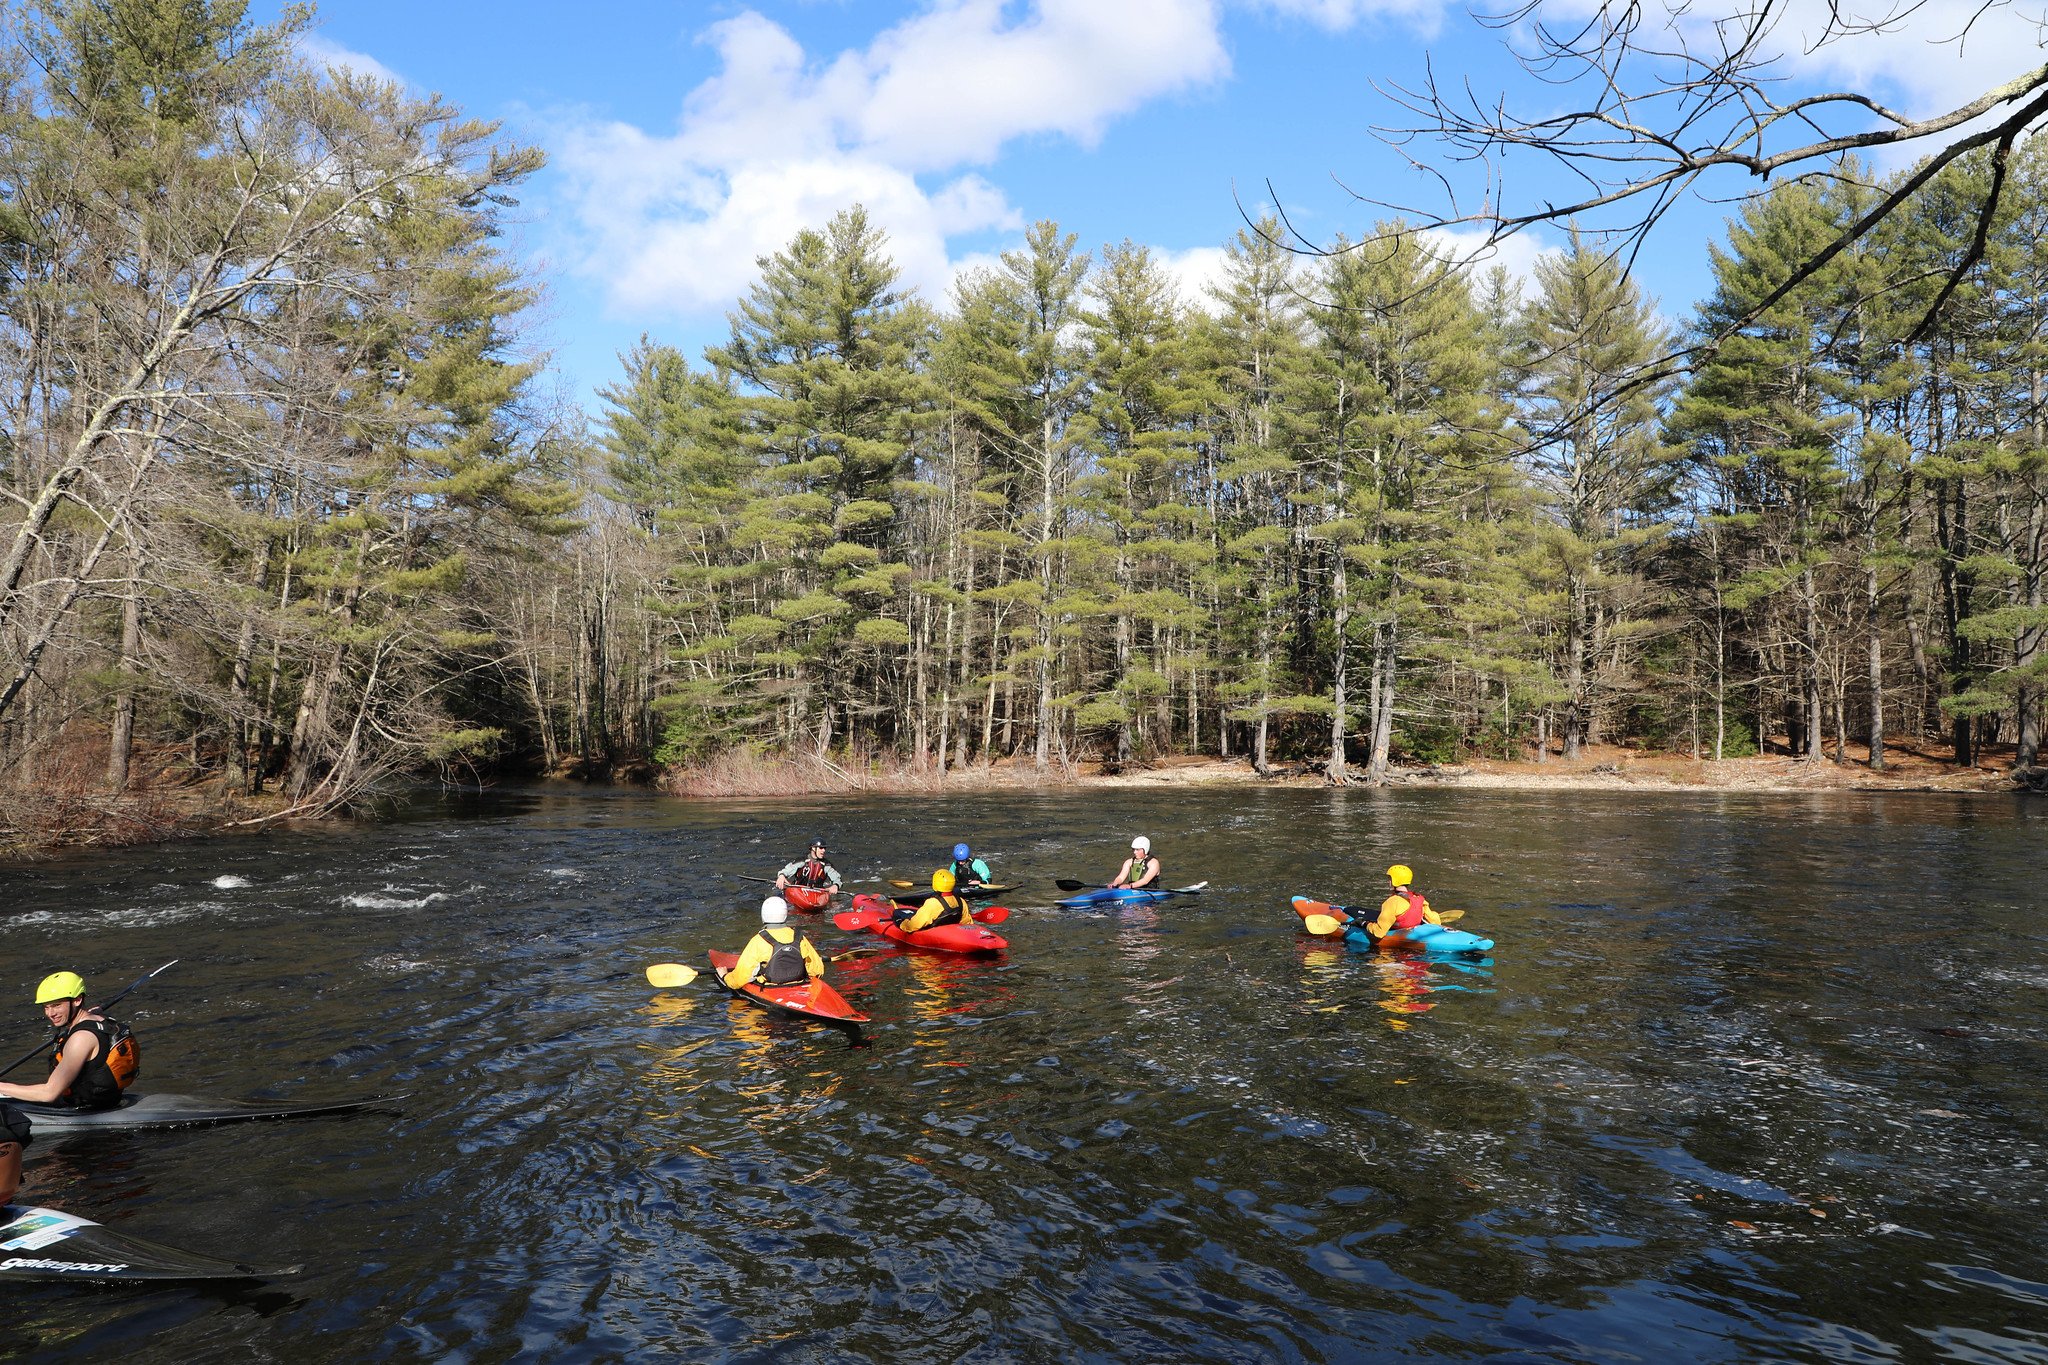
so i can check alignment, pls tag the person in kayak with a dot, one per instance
(93, 1058)
(779, 955)
(943, 906)
(1141, 868)
(14, 1135)
(813, 871)
(969, 871)
(1404, 908)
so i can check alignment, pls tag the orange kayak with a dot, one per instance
(811, 999)
(809, 897)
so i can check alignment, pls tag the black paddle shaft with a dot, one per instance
(138, 981)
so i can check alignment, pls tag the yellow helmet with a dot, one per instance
(60, 986)
(942, 881)
(1400, 875)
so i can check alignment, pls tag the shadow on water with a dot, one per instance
(1743, 1078)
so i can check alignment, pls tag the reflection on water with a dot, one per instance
(1742, 1079)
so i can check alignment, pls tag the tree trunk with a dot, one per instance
(124, 702)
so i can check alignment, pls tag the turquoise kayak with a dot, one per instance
(1431, 938)
(1124, 895)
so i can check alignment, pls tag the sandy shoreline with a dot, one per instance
(1654, 773)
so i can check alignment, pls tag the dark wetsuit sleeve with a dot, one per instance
(14, 1125)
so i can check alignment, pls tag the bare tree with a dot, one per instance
(1642, 104)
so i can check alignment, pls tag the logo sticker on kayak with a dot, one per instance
(38, 1263)
(39, 1229)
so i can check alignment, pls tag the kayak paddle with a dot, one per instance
(1069, 884)
(664, 975)
(138, 981)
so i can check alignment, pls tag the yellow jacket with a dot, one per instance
(1392, 908)
(762, 947)
(948, 909)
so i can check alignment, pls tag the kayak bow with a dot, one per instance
(809, 897)
(47, 1244)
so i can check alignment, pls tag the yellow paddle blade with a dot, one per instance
(663, 975)
(1322, 924)
(1448, 915)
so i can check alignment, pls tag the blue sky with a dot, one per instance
(686, 139)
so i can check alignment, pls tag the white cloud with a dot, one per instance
(775, 141)
(1468, 249)
(327, 53)
(1337, 15)
(1193, 271)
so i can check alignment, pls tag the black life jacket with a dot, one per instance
(112, 1070)
(956, 911)
(785, 966)
(964, 874)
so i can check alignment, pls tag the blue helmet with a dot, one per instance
(961, 852)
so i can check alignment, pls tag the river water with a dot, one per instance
(1745, 1078)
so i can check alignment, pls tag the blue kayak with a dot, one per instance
(1431, 938)
(1124, 895)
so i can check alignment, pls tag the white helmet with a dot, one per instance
(774, 910)
(1142, 844)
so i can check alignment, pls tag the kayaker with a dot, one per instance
(779, 955)
(1404, 908)
(92, 1058)
(943, 906)
(14, 1131)
(1141, 868)
(968, 870)
(813, 871)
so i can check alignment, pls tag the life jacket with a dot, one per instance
(1146, 864)
(955, 911)
(812, 873)
(966, 874)
(113, 1069)
(785, 966)
(1412, 916)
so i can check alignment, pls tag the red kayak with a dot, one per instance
(943, 938)
(812, 898)
(813, 999)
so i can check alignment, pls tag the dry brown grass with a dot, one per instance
(60, 801)
(741, 773)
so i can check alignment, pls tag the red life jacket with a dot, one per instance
(812, 874)
(1412, 916)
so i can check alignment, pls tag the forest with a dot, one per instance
(289, 505)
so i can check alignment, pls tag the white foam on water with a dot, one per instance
(564, 872)
(370, 900)
(229, 883)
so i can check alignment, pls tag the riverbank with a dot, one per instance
(56, 817)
